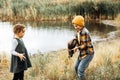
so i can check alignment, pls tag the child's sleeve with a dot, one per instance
(14, 45)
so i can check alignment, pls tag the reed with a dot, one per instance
(41, 10)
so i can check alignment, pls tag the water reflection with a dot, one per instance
(48, 36)
(99, 29)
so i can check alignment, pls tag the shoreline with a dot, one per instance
(111, 35)
(50, 62)
(115, 35)
(110, 22)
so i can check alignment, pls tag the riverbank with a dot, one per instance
(115, 22)
(55, 65)
(113, 34)
(111, 22)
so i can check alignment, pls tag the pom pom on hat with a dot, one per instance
(79, 20)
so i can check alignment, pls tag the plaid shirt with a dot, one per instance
(85, 43)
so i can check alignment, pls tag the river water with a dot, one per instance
(48, 36)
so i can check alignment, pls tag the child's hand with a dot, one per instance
(75, 49)
(21, 56)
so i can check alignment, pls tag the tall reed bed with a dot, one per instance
(33, 10)
(40, 10)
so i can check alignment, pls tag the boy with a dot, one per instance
(19, 59)
(85, 47)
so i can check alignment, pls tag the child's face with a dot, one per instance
(77, 27)
(21, 33)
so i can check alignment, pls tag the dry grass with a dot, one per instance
(4, 67)
(104, 66)
(56, 65)
(117, 20)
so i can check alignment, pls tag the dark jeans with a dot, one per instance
(19, 76)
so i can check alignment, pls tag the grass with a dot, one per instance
(4, 67)
(56, 65)
(104, 66)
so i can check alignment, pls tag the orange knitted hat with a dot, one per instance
(79, 20)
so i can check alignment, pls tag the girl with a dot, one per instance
(19, 58)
